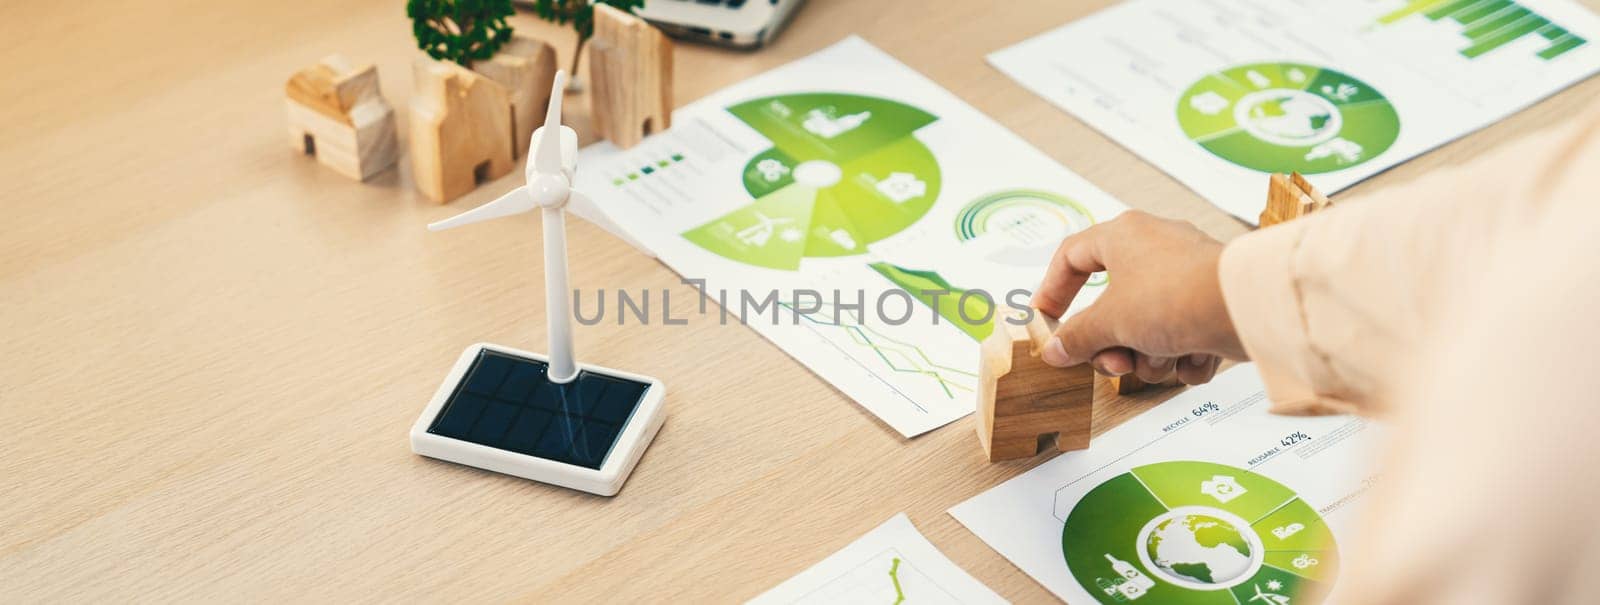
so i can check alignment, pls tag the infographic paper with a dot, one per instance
(1219, 92)
(1206, 498)
(891, 564)
(849, 187)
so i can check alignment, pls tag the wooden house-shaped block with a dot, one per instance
(1022, 401)
(336, 112)
(460, 130)
(631, 64)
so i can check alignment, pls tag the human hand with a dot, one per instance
(1162, 313)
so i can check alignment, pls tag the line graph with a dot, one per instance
(917, 573)
(864, 583)
(898, 356)
(894, 577)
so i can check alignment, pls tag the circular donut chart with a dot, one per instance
(1198, 532)
(1026, 225)
(1025, 215)
(844, 171)
(1288, 117)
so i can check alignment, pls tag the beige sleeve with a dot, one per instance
(1487, 490)
(1333, 307)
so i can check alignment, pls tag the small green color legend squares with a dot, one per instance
(647, 169)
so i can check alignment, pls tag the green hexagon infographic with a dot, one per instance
(844, 171)
(1288, 117)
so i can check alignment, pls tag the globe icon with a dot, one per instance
(1200, 549)
(1292, 118)
(1288, 117)
(1189, 531)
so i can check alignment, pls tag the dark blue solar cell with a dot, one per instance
(493, 424)
(588, 392)
(524, 435)
(459, 415)
(524, 378)
(507, 402)
(556, 442)
(486, 375)
(618, 402)
(592, 446)
(548, 397)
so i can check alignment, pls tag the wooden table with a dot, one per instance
(214, 346)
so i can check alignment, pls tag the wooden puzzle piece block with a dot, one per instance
(525, 67)
(337, 113)
(1290, 197)
(1023, 401)
(631, 65)
(1130, 384)
(460, 130)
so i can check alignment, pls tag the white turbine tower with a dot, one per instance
(552, 163)
(581, 446)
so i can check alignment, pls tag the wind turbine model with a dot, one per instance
(543, 418)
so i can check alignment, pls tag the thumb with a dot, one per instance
(1080, 337)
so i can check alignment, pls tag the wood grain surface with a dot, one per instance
(214, 346)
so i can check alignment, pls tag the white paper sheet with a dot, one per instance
(891, 564)
(1206, 498)
(1219, 92)
(848, 172)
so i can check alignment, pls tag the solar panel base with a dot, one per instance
(498, 411)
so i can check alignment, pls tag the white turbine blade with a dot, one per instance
(585, 206)
(569, 151)
(516, 201)
(547, 158)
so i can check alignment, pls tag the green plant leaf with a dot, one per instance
(460, 30)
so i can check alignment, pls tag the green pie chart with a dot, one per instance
(843, 171)
(1198, 532)
(1288, 117)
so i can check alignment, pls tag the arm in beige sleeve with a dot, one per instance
(1332, 307)
(1488, 487)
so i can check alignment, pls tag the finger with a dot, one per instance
(1114, 362)
(1197, 368)
(1080, 337)
(1154, 369)
(1075, 260)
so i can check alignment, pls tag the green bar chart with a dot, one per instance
(1488, 25)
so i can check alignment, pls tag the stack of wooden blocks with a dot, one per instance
(467, 126)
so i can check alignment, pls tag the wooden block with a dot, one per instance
(1130, 384)
(1022, 401)
(460, 130)
(1290, 197)
(336, 112)
(631, 65)
(525, 67)
(1320, 201)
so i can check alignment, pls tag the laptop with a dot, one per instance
(744, 24)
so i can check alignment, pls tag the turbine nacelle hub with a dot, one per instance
(549, 190)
